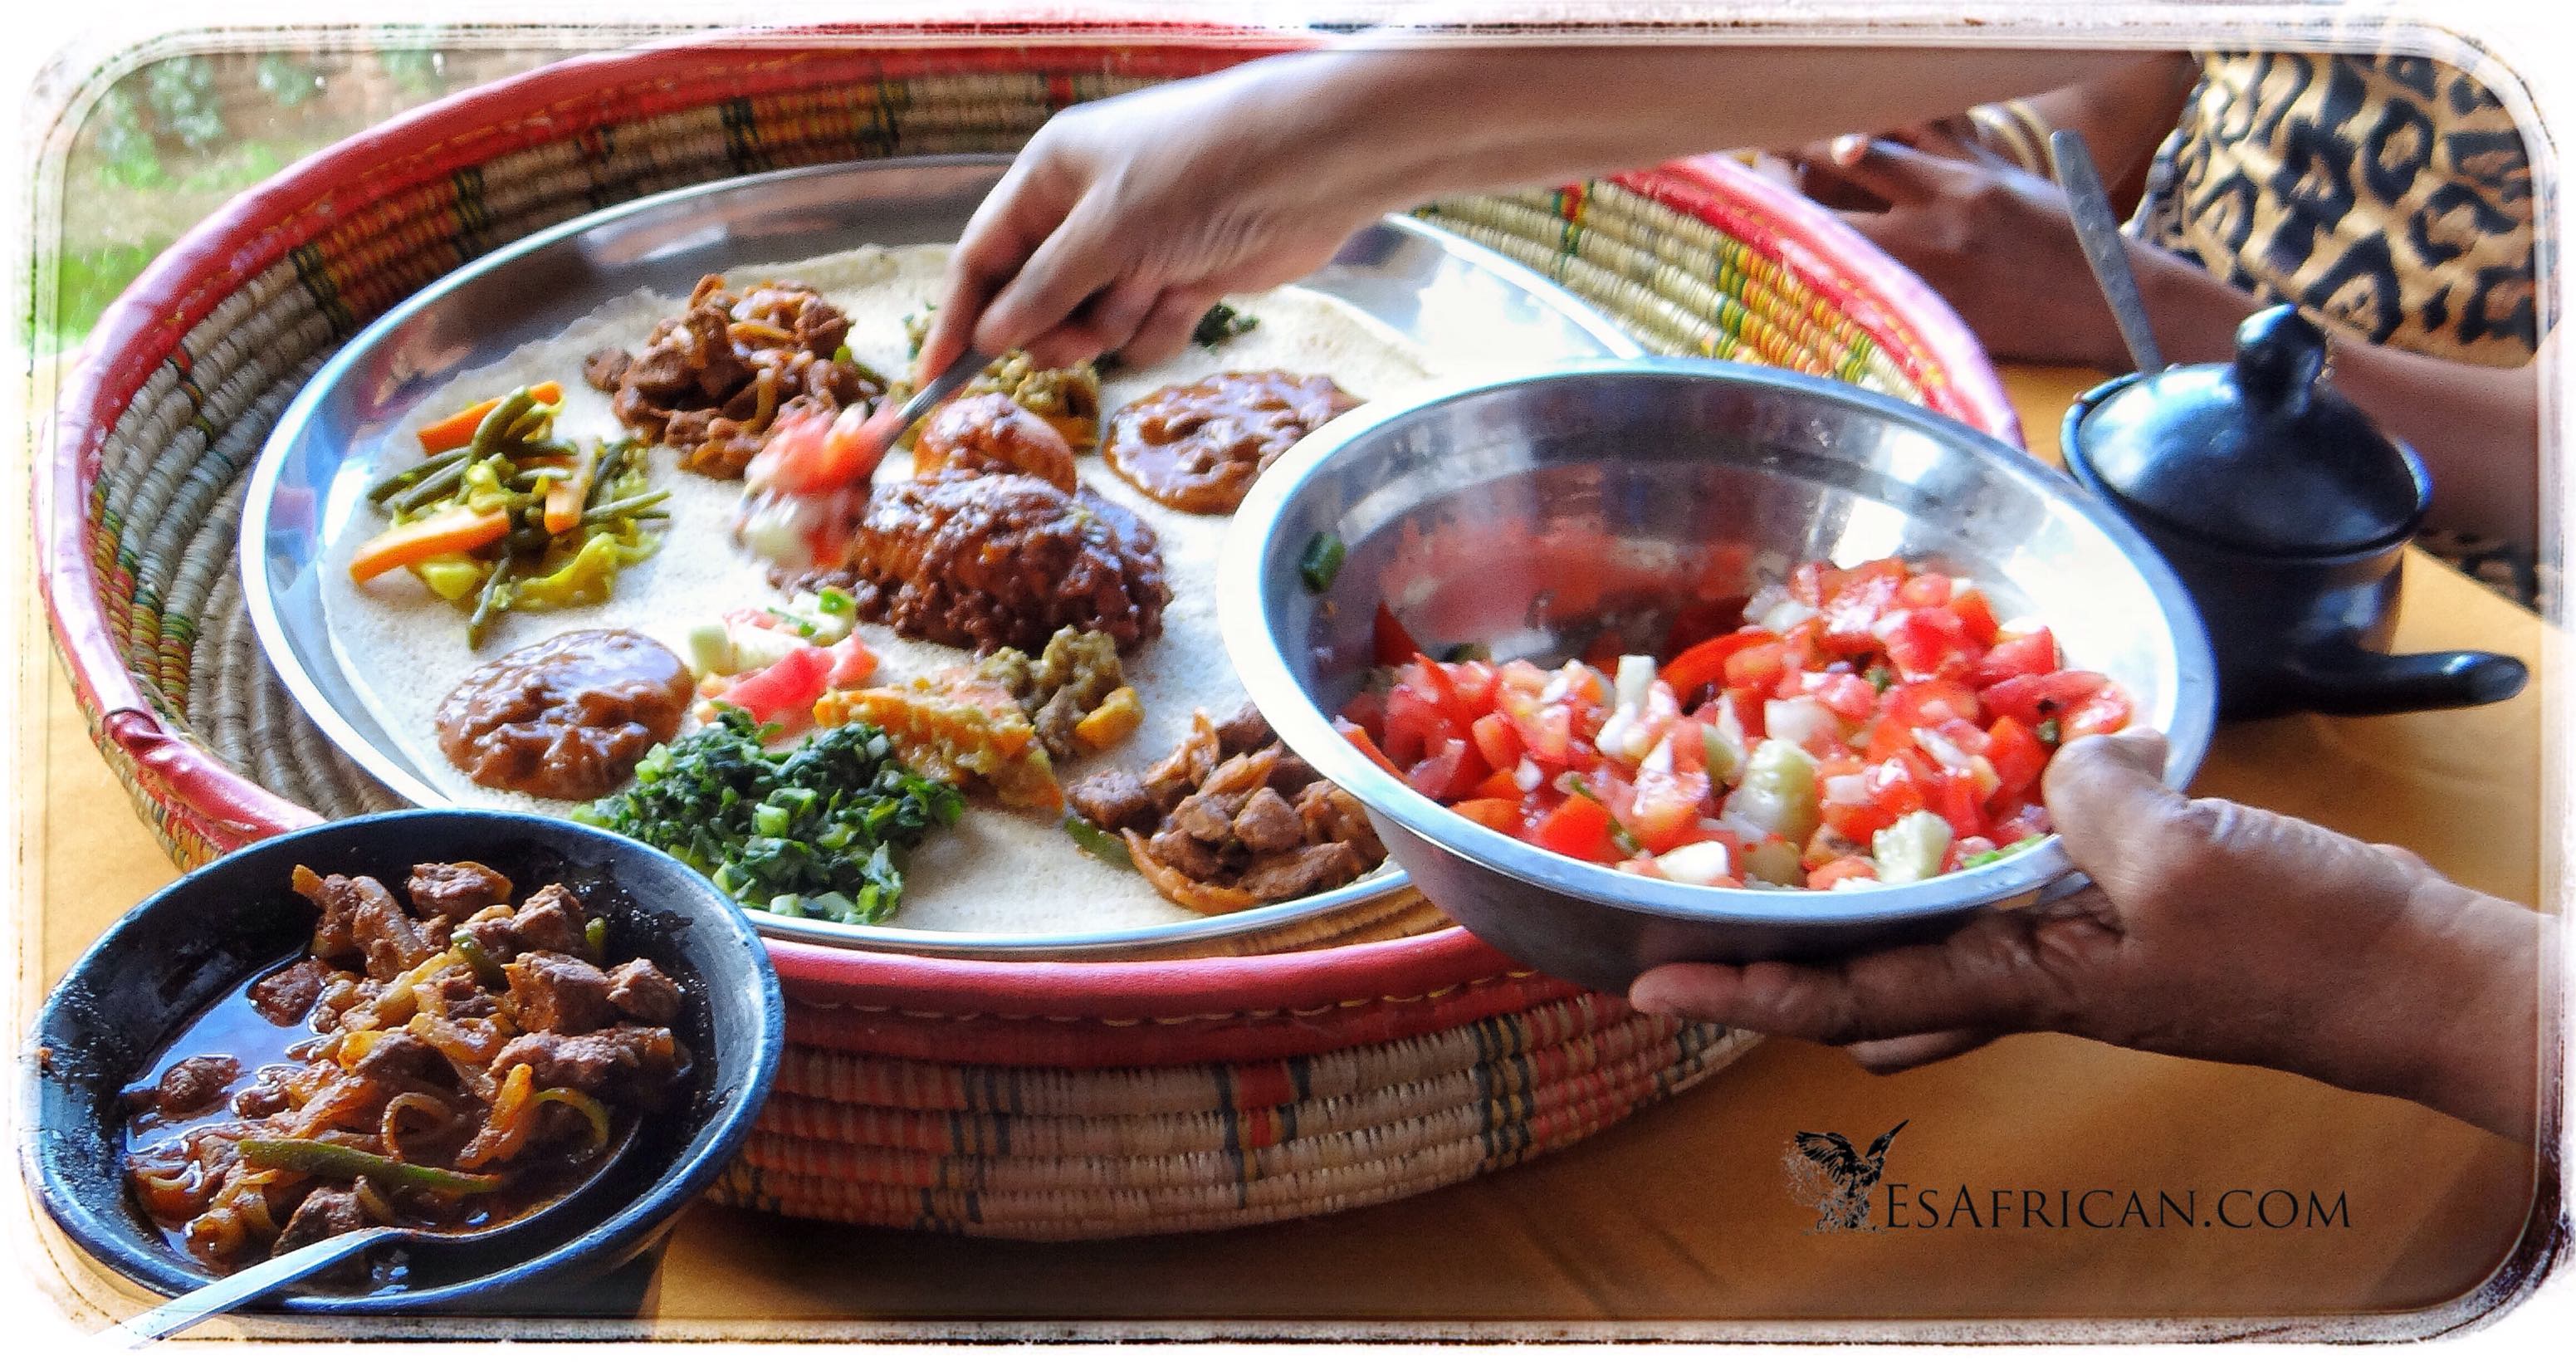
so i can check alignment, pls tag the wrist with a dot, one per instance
(2460, 1029)
(2194, 313)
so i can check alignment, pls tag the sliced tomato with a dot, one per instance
(1493, 813)
(1845, 694)
(1360, 740)
(1578, 827)
(1367, 711)
(1474, 684)
(1757, 667)
(1746, 703)
(2018, 758)
(1929, 702)
(1667, 796)
(1704, 665)
(2033, 698)
(815, 450)
(2035, 653)
(1448, 773)
(2104, 712)
(1392, 644)
(852, 662)
(1926, 589)
(786, 691)
(1887, 790)
(1497, 740)
(1868, 593)
(1953, 797)
(1976, 614)
(1431, 679)
(1927, 642)
(1840, 870)
(1499, 784)
(1815, 583)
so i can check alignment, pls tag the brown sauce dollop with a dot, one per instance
(565, 718)
(1198, 447)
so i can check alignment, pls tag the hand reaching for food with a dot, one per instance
(2213, 931)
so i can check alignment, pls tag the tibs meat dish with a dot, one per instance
(1862, 726)
(450, 1064)
(843, 681)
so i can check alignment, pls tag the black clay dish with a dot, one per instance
(209, 933)
(2286, 515)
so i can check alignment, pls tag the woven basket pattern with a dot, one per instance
(994, 1121)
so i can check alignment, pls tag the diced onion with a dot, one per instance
(1799, 720)
(1698, 864)
(1847, 789)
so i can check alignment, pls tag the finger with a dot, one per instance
(1984, 976)
(1013, 219)
(2104, 793)
(1167, 328)
(1897, 173)
(2414, 862)
(1915, 1050)
(1075, 262)
(1100, 325)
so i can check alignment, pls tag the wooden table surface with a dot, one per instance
(1683, 1214)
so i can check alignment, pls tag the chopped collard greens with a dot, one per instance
(810, 831)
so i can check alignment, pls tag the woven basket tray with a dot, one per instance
(1336, 1065)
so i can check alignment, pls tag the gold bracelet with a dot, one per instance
(2015, 131)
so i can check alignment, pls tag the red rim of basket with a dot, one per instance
(1307, 1000)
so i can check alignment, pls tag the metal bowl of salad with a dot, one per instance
(1649, 661)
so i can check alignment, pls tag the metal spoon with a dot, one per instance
(885, 426)
(257, 1281)
(2099, 232)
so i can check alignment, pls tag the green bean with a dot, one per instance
(529, 424)
(340, 1162)
(492, 603)
(432, 489)
(496, 424)
(624, 507)
(402, 479)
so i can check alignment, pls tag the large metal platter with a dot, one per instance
(1452, 297)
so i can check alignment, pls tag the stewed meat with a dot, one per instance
(455, 890)
(1230, 819)
(325, 1213)
(193, 1086)
(560, 994)
(644, 992)
(359, 916)
(565, 718)
(983, 561)
(711, 381)
(288, 994)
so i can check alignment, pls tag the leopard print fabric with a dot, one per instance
(2390, 195)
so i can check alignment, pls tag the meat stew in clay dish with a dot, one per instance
(448, 1057)
(855, 686)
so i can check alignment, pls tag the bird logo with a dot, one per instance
(1825, 1172)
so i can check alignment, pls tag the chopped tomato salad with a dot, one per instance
(1861, 727)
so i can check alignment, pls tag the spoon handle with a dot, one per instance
(2104, 250)
(243, 1286)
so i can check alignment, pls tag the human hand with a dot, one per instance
(1123, 221)
(2213, 931)
(1993, 239)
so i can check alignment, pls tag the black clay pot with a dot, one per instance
(2286, 515)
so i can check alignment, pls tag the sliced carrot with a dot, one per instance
(458, 530)
(454, 430)
(566, 496)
